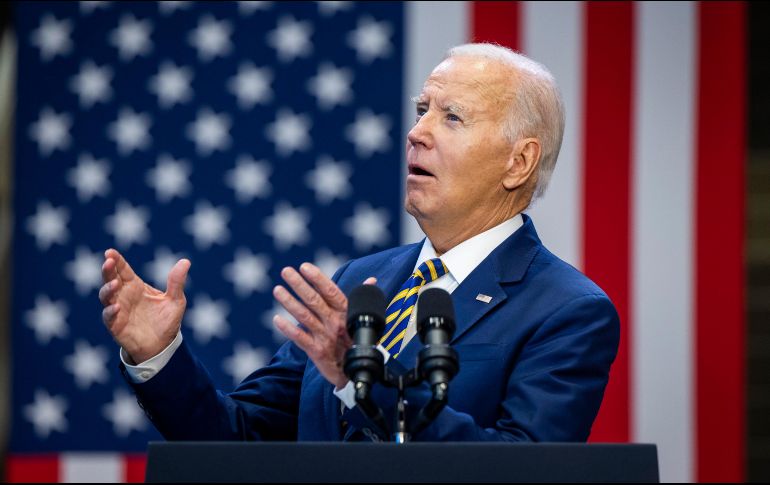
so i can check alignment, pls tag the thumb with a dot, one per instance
(177, 278)
(370, 281)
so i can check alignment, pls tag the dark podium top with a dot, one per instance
(411, 462)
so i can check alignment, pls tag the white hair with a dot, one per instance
(537, 109)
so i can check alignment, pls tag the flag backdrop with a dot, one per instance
(251, 136)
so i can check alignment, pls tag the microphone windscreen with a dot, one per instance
(435, 302)
(366, 300)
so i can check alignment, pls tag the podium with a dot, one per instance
(389, 462)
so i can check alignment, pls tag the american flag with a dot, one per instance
(244, 136)
(646, 198)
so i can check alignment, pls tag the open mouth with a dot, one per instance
(415, 170)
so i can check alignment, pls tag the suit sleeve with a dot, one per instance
(555, 386)
(184, 404)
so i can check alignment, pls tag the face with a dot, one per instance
(457, 152)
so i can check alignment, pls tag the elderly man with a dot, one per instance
(535, 337)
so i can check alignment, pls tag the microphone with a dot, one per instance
(438, 362)
(364, 364)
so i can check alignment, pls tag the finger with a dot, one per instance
(307, 293)
(297, 309)
(109, 272)
(293, 333)
(328, 290)
(370, 281)
(110, 313)
(121, 265)
(108, 292)
(177, 278)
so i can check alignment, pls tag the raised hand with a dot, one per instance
(141, 319)
(323, 313)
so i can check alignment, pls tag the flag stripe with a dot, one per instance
(552, 34)
(40, 468)
(662, 215)
(134, 468)
(497, 22)
(720, 373)
(91, 467)
(606, 202)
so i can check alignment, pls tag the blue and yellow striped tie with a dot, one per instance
(401, 307)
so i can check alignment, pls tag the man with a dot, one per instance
(535, 337)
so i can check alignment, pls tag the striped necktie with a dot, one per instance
(402, 305)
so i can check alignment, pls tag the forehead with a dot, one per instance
(472, 79)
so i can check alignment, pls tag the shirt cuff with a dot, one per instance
(348, 393)
(143, 372)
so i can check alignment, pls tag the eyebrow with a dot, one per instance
(451, 108)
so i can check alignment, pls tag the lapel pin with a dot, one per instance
(484, 298)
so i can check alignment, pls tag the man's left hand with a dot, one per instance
(322, 311)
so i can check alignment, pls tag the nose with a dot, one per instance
(421, 133)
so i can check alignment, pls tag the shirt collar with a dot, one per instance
(462, 259)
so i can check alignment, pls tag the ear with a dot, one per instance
(522, 163)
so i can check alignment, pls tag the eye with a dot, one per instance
(453, 117)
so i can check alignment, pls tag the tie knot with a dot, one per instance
(431, 269)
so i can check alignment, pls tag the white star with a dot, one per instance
(131, 131)
(249, 7)
(47, 319)
(90, 177)
(328, 262)
(128, 225)
(211, 38)
(49, 225)
(208, 225)
(290, 132)
(248, 272)
(291, 39)
(327, 8)
(371, 39)
(330, 180)
(169, 178)
(209, 132)
(85, 270)
(369, 133)
(288, 226)
(245, 360)
(368, 227)
(267, 321)
(331, 86)
(88, 7)
(208, 318)
(132, 37)
(47, 413)
(172, 84)
(249, 179)
(169, 7)
(251, 85)
(52, 37)
(158, 268)
(51, 131)
(92, 84)
(88, 364)
(124, 413)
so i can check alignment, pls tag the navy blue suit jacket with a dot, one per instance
(534, 362)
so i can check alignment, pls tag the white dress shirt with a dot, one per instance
(461, 260)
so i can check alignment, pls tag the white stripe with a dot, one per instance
(431, 29)
(553, 36)
(91, 468)
(662, 370)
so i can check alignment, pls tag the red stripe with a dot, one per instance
(497, 22)
(134, 467)
(607, 187)
(32, 468)
(719, 273)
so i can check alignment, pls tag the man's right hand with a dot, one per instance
(141, 319)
